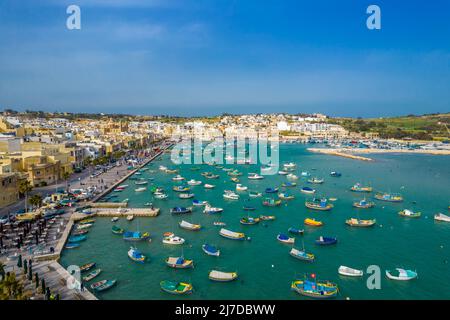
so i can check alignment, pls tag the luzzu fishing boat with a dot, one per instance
(285, 238)
(364, 204)
(91, 275)
(174, 287)
(135, 236)
(179, 262)
(249, 220)
(357, 187)
(409, 214)
(270, 202)
(220, 276)
(354, 222)
(319, 204)
(210, 250)
(135, 255)
(302, 255)
(313, 222)
(231, 234)
(401, 274)
(389, 197)
(315, 288)
(117, 230)
(189, 226)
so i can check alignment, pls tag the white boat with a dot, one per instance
(199, 203)
(441, 217)
(231, 234)
(170, 238)
(240, 187)
(255, 176)
(115, 219)
(141, 183)
(189, 226)
(178, 178)
(130, 217)
(140, 189)
(350, 272)
(186, 195)
(305, 174)
(290, 165)
(160, 195)
(209, 186)
(222, 276)
(194, 182)
(212, 210)
(230, 195)
(403, 275)
(292, 176)
(162, 168)
(283, 173)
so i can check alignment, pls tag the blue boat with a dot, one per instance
(335, 174)
(326, 241)
(135, 255)
(210, 250)
(76, 239)
(135, 236)
(248, 208)
(295, 230)
(271, 190)
(307, 190)
(180, 210)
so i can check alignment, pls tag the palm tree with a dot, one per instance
(66, 176)
(24, 188)
(35, 200)
(11, 288)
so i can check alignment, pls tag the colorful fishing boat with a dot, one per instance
(179, 262)
(220, 276)
(177, 288)
(354, 222)
(91, 275)
(401, 274)
(319, 204)
(325, 241)
(210, 250)
(315, 288)
(307, 190)
(302, 255)
(285, 238)
(350, 272)
(103, 285)
(313, 222)
(180, 210)
(249, 220)
(364, 204)
(231, 234)
(409, 214)
(270, 202)
(135, 236)
(357, 187)
(117, 230)
(189, 226)
(135, 255)
(87, 266)
(389, 197)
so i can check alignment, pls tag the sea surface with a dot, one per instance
(264, 265)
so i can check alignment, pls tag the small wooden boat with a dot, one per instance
(364, 204)
(87, 267)
(388, 197)
(357, 187)
(302, 255)
(353, 222)
(130, 217)
(180, 210)
(222, 276)
(231, 234)
(249, 220)
(289, 184)
(285, 238)
(409, 214)
(189, 226)
(80, 232)
(271, 190)
(315, 289)
(186, 195)
(135, 255)
(313, 222)
(83, 226)
(254, 194)
(135, 236)
(179, 262)
(210, 250)
(267, 218)
(117, 230)
(401, 274)
(170, 238)
(270, 202)
(307, 190)
(441, 217)
(319, 204)
(103, 285)
(76, 239)
(296, 231)
(350, 272)
(177, 288)
(86, 221)
(91, 275)
(325, 241)
(316, 180)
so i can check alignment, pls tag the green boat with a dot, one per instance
(117, 230)
(174, 287)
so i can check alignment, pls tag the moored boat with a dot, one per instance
(316, 180)
(135, 255)
(389, 197)
(181, 189)
(117, 230)
(301, 255)
(130, 217)
(91, 275)
(364, 204)
(295, 230)
(212, 210)
(199, 203)
(285, 238)
(174, 287)
(307, 190)
(270, 202)
(401, 274)
(357, 187)
(103, 285)
(189, 226)
(254, 194)
(267, 218)
(441, 217)
(170, 238)
(315, 289)
(209, 186)
(135, 236)
(354, 222)
(87, 266)
(179, 262)
(319, 204)
(222, 276)
(140, 189)
(180, 210)
(350, 272)
(186, 195)
(249, 220)
(194, 182)
(313, 222)
(231, 234)
(325, 241)
(335, 174)
(210, 250)
(255, 176)
(230, 195)
(271, 190)
(240, 187)
(409, 214)
(285, 196)
(76, 239)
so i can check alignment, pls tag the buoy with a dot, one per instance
(273, 266)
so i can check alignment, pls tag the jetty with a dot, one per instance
(340, 153)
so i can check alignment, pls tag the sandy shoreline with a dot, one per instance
(352, 153)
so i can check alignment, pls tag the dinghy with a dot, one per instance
(316, 180)
(231, 234)
(87, 266)
(401, 274)
(222, 276)
(210, 250)
(135, 255)
(189, 226)
(72, 245)
(350, 272)
(179, 262)
(285, 239)
(177, 288)
(103, 285)
(291, 176)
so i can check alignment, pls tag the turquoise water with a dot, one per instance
(264, 265)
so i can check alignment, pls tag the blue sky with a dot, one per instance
(203, 57)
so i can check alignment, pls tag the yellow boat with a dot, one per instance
(313, 222)
(353, 222)
(27, 216)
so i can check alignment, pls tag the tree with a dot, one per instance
(24, 188)
(36, 279)
(35, 200)
(43, 285)
(66, 176)
(25, 267)
(11, 288)
(19, 261)
(2, 270)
